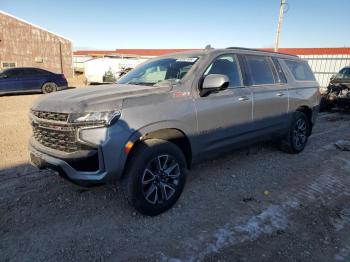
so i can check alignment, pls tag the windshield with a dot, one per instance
(154, 72)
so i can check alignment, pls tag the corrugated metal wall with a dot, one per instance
(324, 66)
(27, 45)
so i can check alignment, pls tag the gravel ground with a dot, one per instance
(256, 204)
(14, 129)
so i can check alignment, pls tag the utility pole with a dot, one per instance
(279, 25)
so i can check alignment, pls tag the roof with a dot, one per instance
(271, 51)
(39, 27)
(158, 52)
(313, 51)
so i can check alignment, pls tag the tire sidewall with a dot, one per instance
(296, 117)
(142, 155)
(49, 83)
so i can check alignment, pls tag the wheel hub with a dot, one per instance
(300, 133)
(160, 179)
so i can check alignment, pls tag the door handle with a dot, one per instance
(280, 94)
(243, 98)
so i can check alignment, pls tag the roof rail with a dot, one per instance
(259, 50)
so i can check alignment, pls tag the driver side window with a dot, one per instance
(12, 73)
(226, 65)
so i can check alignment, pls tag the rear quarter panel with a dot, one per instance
(58, 79)
(301, 93)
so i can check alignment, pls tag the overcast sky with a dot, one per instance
(101, 24)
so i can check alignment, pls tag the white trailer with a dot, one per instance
(100, 70)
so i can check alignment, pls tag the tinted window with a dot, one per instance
(300, 70)
(29, 72)
(41, 71)
(33, 72)
(13, 73)
(281, 75)
(260, 70)
(226, 65)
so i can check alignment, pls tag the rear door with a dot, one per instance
(226, 116)
(270, 93)
(9, 81)
(32, 79)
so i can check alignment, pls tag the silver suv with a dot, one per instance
(171, 112)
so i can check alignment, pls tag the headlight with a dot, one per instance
(95, 118)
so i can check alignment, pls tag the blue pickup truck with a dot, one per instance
(28, 79)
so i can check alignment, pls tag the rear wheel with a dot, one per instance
(155, 176)
(296, 139)
(49, 87)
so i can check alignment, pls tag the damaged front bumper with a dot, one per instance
(87, 166)
(338, 93)
(99, 164)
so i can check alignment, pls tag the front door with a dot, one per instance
(31, 79)
(224, 117)
(9, 81)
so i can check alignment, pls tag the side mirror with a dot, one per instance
(332, 77)
(214, 83)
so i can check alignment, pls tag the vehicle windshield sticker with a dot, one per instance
(187, 59)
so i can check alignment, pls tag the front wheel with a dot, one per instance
(155, 176)
(297, 136)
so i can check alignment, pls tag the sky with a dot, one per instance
(108, 24)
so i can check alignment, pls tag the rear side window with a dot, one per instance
(29, 72)
(42, 71)
(300, 70)
(260, 70)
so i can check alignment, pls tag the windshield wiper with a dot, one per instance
(166, 82)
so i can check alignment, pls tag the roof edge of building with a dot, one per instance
(42, 28)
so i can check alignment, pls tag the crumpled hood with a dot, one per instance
(97, 98)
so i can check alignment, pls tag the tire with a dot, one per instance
(297, 136)
(155, 176)
(49, 87)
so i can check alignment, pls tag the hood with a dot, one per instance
(96, 98)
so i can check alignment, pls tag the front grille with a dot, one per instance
(63, 117)
(62, 138)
